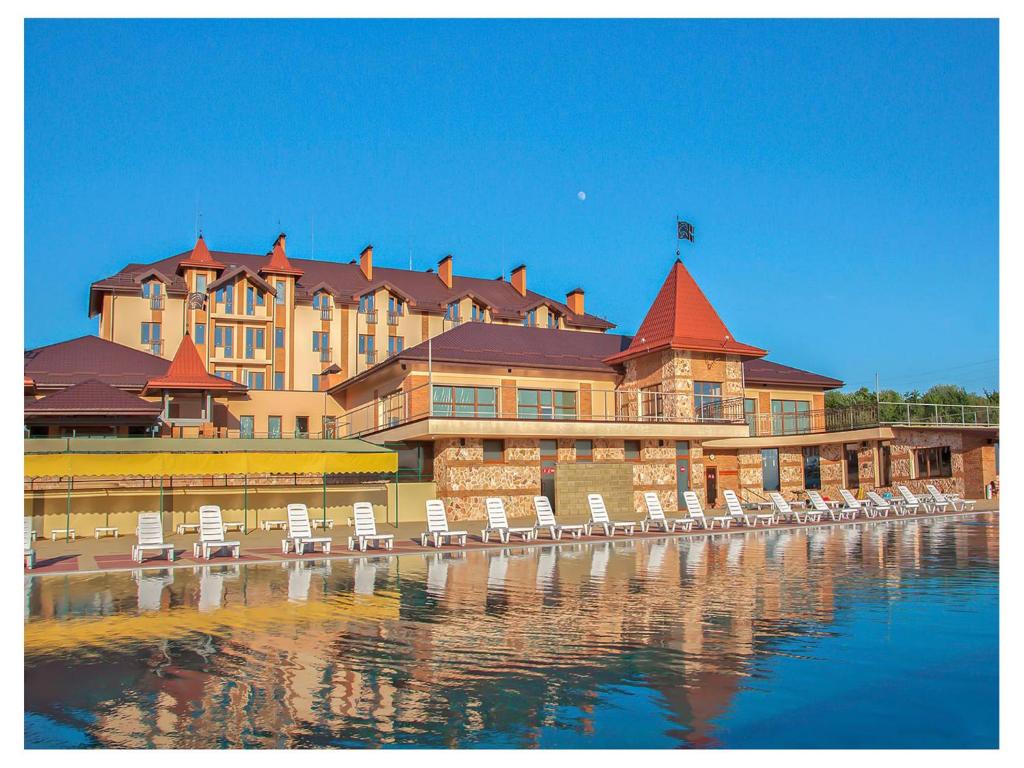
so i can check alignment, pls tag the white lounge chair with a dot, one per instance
(497, 521)
(366, 529)
(911, 502)
(834, 511)
(852, 502)
(786, 511)
(751, 519)
(941, 499)
(884, 506)
(30, 552)
(300, 533)
(656, 516)
(211, 534)
(696, 512)
(599, 516)
(150, 532)
(546, 521)
(437, 526)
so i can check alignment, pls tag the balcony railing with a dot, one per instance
(370, 315)
(326, 313)
(394, 317)
(369, 356)
(870, 415)
(156, 302)
(156, 347)
(325, 355)
(503, 403)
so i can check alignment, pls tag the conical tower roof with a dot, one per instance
(200, 258)
(187, 371)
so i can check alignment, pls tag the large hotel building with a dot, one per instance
(485, 387)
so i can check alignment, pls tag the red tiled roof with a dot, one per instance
(90, 357)
(188, 372)
(347, 280)
(278, 263)
(767, 372)
(200, 257)
(681, 317)
(92, 398)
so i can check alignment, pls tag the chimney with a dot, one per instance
(519, 279)
(444, 270)
(574, 300)
(366, 262)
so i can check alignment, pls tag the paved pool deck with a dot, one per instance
(90, 555)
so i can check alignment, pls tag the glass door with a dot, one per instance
(548, 463)
(682, 471)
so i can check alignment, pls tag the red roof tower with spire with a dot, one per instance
(277, 261)
(681, 317)
(200, 258)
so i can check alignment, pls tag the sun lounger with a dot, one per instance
(696, 512)
(911, 502)
(853, 502)
(656, 516)
(300, 533)
(437, 526)
(834, 511)
(150, 533)
(497, 521)
(366, 529)
(941, 499)
(211, 534)
(599, 516)
(884, 506)
(30, 552)
(787, 512)
(751, 519)
(546, 521)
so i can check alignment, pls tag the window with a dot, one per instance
(770, 469)
(279, 287)
(366, 304)
(365, 347)
(530, 319)
(327, 426)
(451, 312)
(302, 426)
(750, 414)
(472, 402)
(546, 404)
(852, 466)
(791, 417)
(225, 375)
(707, 399)
(253, 298)
(885, 460)
(246, 425)
(652, 404)
(396, 306)
(395, 344)
(934, 462)
(200, 283)
(552, 319)
(812, 468)
(147, 290)
(254, 339)
(255, 380)
(228, 340)
(494, 451)
(477, 313)
(151, 333)
(273, 426)
(322, 344)
(584, 450)
(226, 296)
(279, 381)
(632, 450)
(279, 338)
(316, 382)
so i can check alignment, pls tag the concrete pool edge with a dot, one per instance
(412, 547)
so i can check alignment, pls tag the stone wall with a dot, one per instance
(464, 480)
(613, 480)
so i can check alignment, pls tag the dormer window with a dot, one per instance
(477, 313)
(452, 312)
(396, 309)
(153, 290)
(530, 320)
(366, 304)
(552, 319)
(322, 302)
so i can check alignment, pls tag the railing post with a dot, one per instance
(963, 416)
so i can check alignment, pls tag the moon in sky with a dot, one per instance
(581, 195)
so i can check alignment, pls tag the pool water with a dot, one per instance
(866, 635)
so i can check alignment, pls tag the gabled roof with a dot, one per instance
(250, 274)
(429, 293)
(681, 317)
(278, 263)
(515, 346)
(199, 258)
(188, 372)
(767, 372)
(92, 398)
(90, 357)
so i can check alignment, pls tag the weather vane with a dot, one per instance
(684, 231)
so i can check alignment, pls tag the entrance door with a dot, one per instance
(770, 469)
(548, 462)
(682, 471)
(711, 477)
(852, 470)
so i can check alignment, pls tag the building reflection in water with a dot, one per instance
(455, 649)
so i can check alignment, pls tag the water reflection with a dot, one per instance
(658, 643)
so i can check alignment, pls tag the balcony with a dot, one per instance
(454, 403)
(156, 347)
(156, 302)
(370, 316)
(325, 355)
(326, 313)
(871, 415)
(394, 317)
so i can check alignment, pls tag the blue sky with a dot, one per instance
(842, 176)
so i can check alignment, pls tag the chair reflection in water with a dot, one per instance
(150, 587)
(300, 576)
(211, 584)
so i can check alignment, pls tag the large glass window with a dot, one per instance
(791, 417)
(546, 404)
(934, 462)
(395, 344)
(451, 312)
(200, 333)
(279, 296)
(530, 319)
(467, 402)
(200, 283)
(652, 404)
(256, 380)
(812, 468)
(246, 425)
(707, 399)
(273, 426)
(770, 469)
(750, 414)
